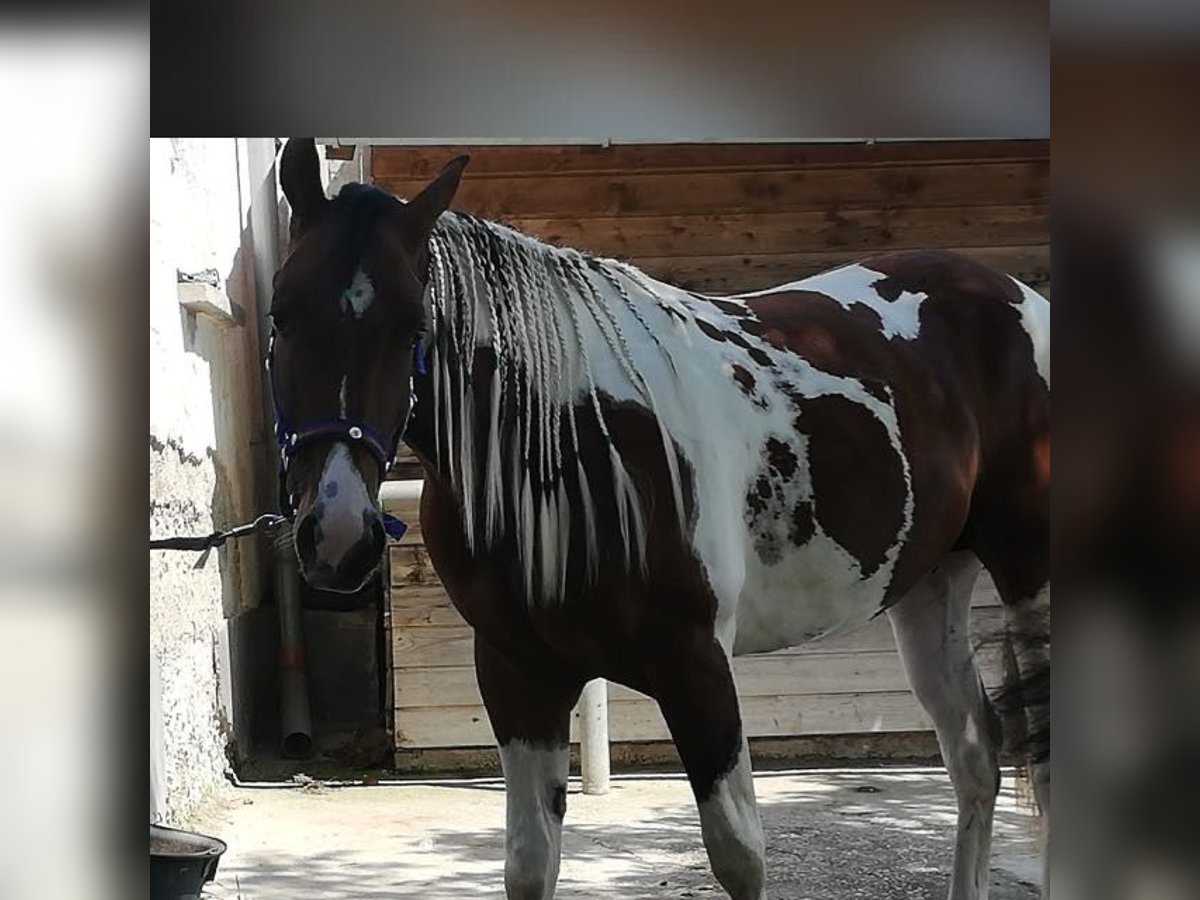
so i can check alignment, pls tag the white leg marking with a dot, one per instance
(341, 502)
(733, 833)
(932, 634)
(535, 781)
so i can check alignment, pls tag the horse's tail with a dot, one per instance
(1023, 700)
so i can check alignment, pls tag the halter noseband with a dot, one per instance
(292, 439)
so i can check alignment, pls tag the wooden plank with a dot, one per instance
(434, 645)
(911, 747)
(429, 608)
(862, 230)
(440, 727)
(451, 645)
(410, 566)
(782, 716)
(734, 274)
(392, 162)
(760, 676)
(951, 184)
(416, 587)
(640, 720)
(851, 672)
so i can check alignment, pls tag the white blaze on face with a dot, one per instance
(359, 295)
(341, 508)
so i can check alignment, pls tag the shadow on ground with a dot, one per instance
(849, 836)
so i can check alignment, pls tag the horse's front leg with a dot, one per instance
(529, 704)
(693, 684)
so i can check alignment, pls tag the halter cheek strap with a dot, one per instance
(291, 439)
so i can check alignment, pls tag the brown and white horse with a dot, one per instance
(631, 481)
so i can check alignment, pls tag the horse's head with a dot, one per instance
(347, 315)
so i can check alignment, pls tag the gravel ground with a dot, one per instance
(863, 833)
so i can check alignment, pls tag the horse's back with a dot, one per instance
(957, 353)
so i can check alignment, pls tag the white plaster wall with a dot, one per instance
(205, 428)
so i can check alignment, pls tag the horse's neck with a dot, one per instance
(552, 320)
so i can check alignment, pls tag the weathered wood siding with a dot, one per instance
(739, 217)
(721, 218)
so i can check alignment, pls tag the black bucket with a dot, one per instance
(181, 862)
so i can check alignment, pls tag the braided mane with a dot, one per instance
(495, 287)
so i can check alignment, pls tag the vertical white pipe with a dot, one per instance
(593, 737)
(294, 713)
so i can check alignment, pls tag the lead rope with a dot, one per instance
(205, 544)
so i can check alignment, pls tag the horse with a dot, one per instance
(628, 480)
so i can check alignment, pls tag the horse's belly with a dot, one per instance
(805, 594)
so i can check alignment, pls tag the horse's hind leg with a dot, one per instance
(1014, 546)
(530, 714)
(693, 684)
(932, 633)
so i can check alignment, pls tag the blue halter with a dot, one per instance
(292, 438)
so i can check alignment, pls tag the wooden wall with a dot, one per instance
(721, 218)
(739, 217)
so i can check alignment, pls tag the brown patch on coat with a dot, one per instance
(761, 357)
(989, 410)
(710, 331)
(857, 478)
(771, 517)
(726, 306)
(755, 353)
(1041, 460)
(744, 379)
(835, 339)
(803, 525)
(782, 458)
(751, 326)
(876, 389)
(932, 272)
(757, 496)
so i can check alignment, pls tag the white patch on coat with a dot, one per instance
(342, 397)
(342, 499)
(733, 832)
(359, 295)
(1034, 310)
(856, 284)
(533, 830)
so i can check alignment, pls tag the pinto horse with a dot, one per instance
(632, 481)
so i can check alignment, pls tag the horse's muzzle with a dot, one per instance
(348, 573)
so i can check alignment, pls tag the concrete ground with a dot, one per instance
(864, 833)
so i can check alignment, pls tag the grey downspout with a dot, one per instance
(295, 717)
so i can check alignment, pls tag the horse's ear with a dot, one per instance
(300, 176)
(422, 211)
